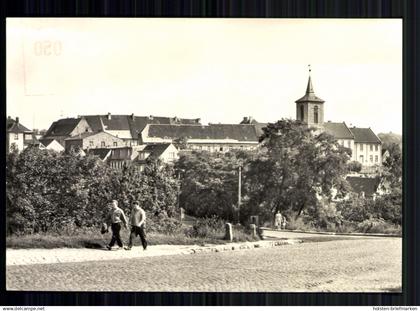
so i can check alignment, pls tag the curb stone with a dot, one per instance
(51, 256)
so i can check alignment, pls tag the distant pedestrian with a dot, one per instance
(137, 222)
(115, 218)
(283, 223)
(277, 220)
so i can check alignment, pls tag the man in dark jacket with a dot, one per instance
(115, 218)
(137, 222)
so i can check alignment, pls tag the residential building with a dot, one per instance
(18, 135)
(212, 137)
(167, 153)
(367, 147)
(91, 140)
(64, 128)
(125, 127)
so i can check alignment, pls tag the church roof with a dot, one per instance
(364, 135)
(239, 132)
(310, 94)
(338, 130)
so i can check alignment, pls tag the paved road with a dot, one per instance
(342, 265)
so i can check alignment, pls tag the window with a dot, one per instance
(376, 159)
(371, 147)
(316, 114)
(371, 158)
(361, 159)
(349, 144)
(361, 147)
(102, 144)
(115, 144)
(376, 147)
(16, 136)
(91, 143)
(221, 149)
(302, 112)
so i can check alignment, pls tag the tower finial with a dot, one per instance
(309, 68)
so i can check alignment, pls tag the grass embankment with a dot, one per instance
(94, 239)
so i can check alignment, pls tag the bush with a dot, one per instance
(48, 191)
(163, 224)
(212, 227)
(354, 166)
(378, 225)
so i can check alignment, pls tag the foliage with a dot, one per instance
(209, 184)
(392, 174)
(48, 191)
(295, 167)
(354, 166)
(207, 227)
(163, 224)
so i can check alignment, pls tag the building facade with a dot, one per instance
(18, 136)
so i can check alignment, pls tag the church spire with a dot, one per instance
(310, 94)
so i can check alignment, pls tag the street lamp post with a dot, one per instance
(239, 192)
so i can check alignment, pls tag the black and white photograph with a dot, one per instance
(237, 155)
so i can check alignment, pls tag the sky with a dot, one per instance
(219, 70)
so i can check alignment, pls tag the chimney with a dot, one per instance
(150, 117)
(198, 120)
(109, 116)
(250, 119)
(245, 120)
(133, 117)
(17, 120)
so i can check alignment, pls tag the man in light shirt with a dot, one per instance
(137, 222)
(115, 218)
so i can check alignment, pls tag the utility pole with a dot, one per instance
(239, 193)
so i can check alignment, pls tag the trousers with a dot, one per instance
(135, 231)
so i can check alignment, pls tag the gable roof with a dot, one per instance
(368, 185)
(156, 150)
(132, 123)
(14, 126)
(338, 130)
(62, 127)
(258, 126)
(46, 141)
(89, 134)
(364, 135)
(239, 132)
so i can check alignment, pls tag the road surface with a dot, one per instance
(353, 265)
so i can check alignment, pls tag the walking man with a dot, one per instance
(137, 222)
(116, 217)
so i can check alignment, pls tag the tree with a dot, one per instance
(181, 143)
(295, 168)
(392, 175)
(354, 166)
(209, 182)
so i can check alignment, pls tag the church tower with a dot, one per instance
(310, 108)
